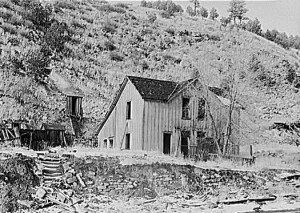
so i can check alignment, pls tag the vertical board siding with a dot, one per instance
(150, 119)
(117, 126)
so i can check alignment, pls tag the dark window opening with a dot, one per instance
(74, 100)
(200, 134)
(201, 109)
(127, 141)
(128, 110)
(185, 137)
(185, 108)
(111, 143)
(105, 143)
(167, 143)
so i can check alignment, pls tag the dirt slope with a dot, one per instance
(110, 42)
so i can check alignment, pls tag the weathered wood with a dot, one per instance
(151, 118)
(274, 211)
(253, 199)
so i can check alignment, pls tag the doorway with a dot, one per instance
(127, 141)
(167, 143)
(185, 137)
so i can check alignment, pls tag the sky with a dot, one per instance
(283, 15)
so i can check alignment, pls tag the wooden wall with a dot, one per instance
(167, 117)
(151, 119)
(74, 106)
(117, 126)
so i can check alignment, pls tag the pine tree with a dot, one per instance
(237, 10)
(196, 4)
(213, 14)
(203, 12)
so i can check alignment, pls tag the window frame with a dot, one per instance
(128, 110)
(105, 143)
(186, 113)
(111, 142)
(127, 141)
(201, 105)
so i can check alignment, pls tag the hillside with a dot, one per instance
(102, 43)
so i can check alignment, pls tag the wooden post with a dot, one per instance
(4, 134)
(17, 134)
(251, 150)
(30, 141)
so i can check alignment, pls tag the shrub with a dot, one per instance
(6, 4)
(57, 35)
(168, 6)
(152, 17)
(16, 21)
(109, 45)
(165, 14)
(6, 15)
(28, 24)
(109, 9)
(87, 19)
(64, 5)
(114, 56)
(214, 37)
(170, 30)
(76, 24)
(144, 65)
(39, 15)
(109, 27)
(122, 5)
(9, 28)
(14, 41)
(25, 34)
(37, 64)
(169, 58)
(254, 64)
(146, 31)
(17, 2)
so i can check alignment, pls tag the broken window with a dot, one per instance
(185, 108)
(128, 110)
(127, 141)
(105, 143)
(200, 134)
(201, 109)
(111, 143)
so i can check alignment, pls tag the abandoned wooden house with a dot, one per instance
(169, 117)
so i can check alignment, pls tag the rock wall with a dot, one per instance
(107, 175)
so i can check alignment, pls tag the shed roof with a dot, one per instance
(74, 92)
(53, 127)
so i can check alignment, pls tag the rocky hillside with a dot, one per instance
(92, 45)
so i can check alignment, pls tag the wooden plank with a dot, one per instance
(146, 127)
(156, 130)
(274, 211)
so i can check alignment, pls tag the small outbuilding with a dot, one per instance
(74, 102)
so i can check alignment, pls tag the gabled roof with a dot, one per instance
(152, 89)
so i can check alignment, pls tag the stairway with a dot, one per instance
(50, 168)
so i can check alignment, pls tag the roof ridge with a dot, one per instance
(152, 79)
